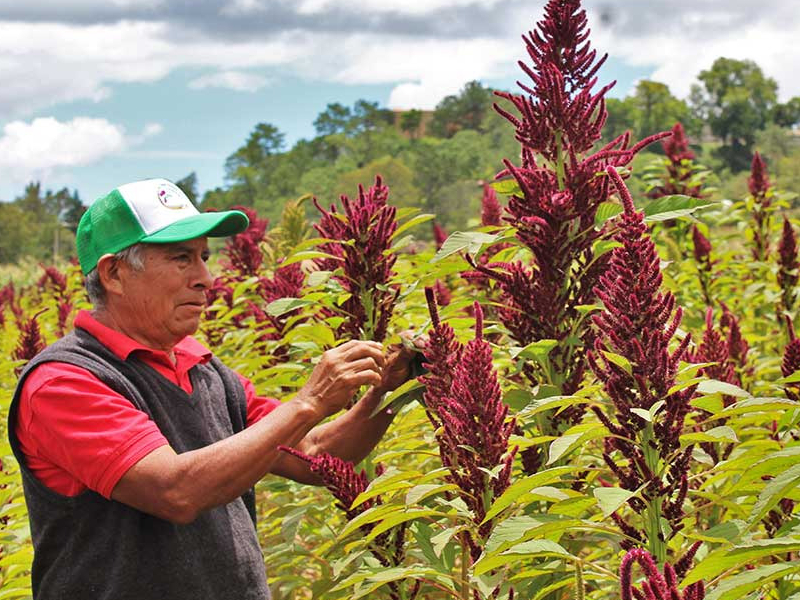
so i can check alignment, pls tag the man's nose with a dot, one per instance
(203, 277)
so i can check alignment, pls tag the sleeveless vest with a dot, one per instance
(88, 547)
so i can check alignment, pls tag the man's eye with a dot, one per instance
(182, 257)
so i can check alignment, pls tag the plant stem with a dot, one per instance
(652, 517)
(465, 560)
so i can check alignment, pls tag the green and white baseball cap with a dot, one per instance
(155, 211)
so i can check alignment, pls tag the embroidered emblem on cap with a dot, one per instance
(171, 197)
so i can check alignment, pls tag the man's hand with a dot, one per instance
(339, 375)
(398, 362)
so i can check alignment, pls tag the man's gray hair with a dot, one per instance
(133, 255)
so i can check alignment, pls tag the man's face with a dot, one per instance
(163, 303)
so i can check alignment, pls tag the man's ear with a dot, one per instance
(108, 269)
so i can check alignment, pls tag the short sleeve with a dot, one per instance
(258, 407)
(78, 433)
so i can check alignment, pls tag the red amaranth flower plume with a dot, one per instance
(758, 182)
(439, 235)
(791, 361)
(788, 266)
(30, 341)
(244, 249)
(638, 324)
(702, 249)
(560, 120)
(682, 176)
(491, 211)
(341, 479)
(463, 392)
(714, 348)
(655, 586)
(363, 234)
(676, 147)
(702, 257)
(760, 190)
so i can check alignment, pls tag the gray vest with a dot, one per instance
(90, 548)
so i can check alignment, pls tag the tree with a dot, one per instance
(656, 109)
(410, 121)
(736, 100)
(463, 111)
(334, 119)
(787, 114)
(622, 116)
(189, 186)
(264, 142)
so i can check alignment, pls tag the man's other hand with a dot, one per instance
(340, 373)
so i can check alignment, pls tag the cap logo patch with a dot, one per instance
(171, 197)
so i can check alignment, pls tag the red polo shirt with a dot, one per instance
(78, 433)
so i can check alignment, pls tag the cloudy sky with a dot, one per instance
(94, 93)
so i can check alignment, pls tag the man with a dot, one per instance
(139, 449)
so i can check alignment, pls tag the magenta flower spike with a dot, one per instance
(638, 324)
(439, 235)
(760, 187)
(702, 248)
(758, 182)
(491, 211)
(243, 250)
(788, 266)
(558, 122)
(463, 392)
(363, 237)
(340, 478)
(655, 586)
(30, 341)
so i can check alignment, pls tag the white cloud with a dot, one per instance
(234, 80)
(35, 149)
(408, 7)
(681, 38)
(44, 63)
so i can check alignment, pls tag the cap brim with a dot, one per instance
(211, 224)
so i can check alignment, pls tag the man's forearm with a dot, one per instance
(177, 487)
(352, 435)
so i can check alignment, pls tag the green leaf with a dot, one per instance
(539, 405)
(408, 392)
(391, 480)
(574, 437)
(411, 223)
(281, 306)
(316, 278)
(600, 247)
(606, 211)
(308, 255)
(619, 360)
(734, 588)
(523, 486)
(528, 549)
(755, 405)
(507, 187)
(419, 492)
(609, 499)
(538, 350)
(773, 492)
(723, 559)
(723, 433)
(792, 378)
(712, 386)
(469, 241)
(673, 207)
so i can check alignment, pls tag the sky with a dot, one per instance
(97, 93)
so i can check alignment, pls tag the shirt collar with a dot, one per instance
(122, 345)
